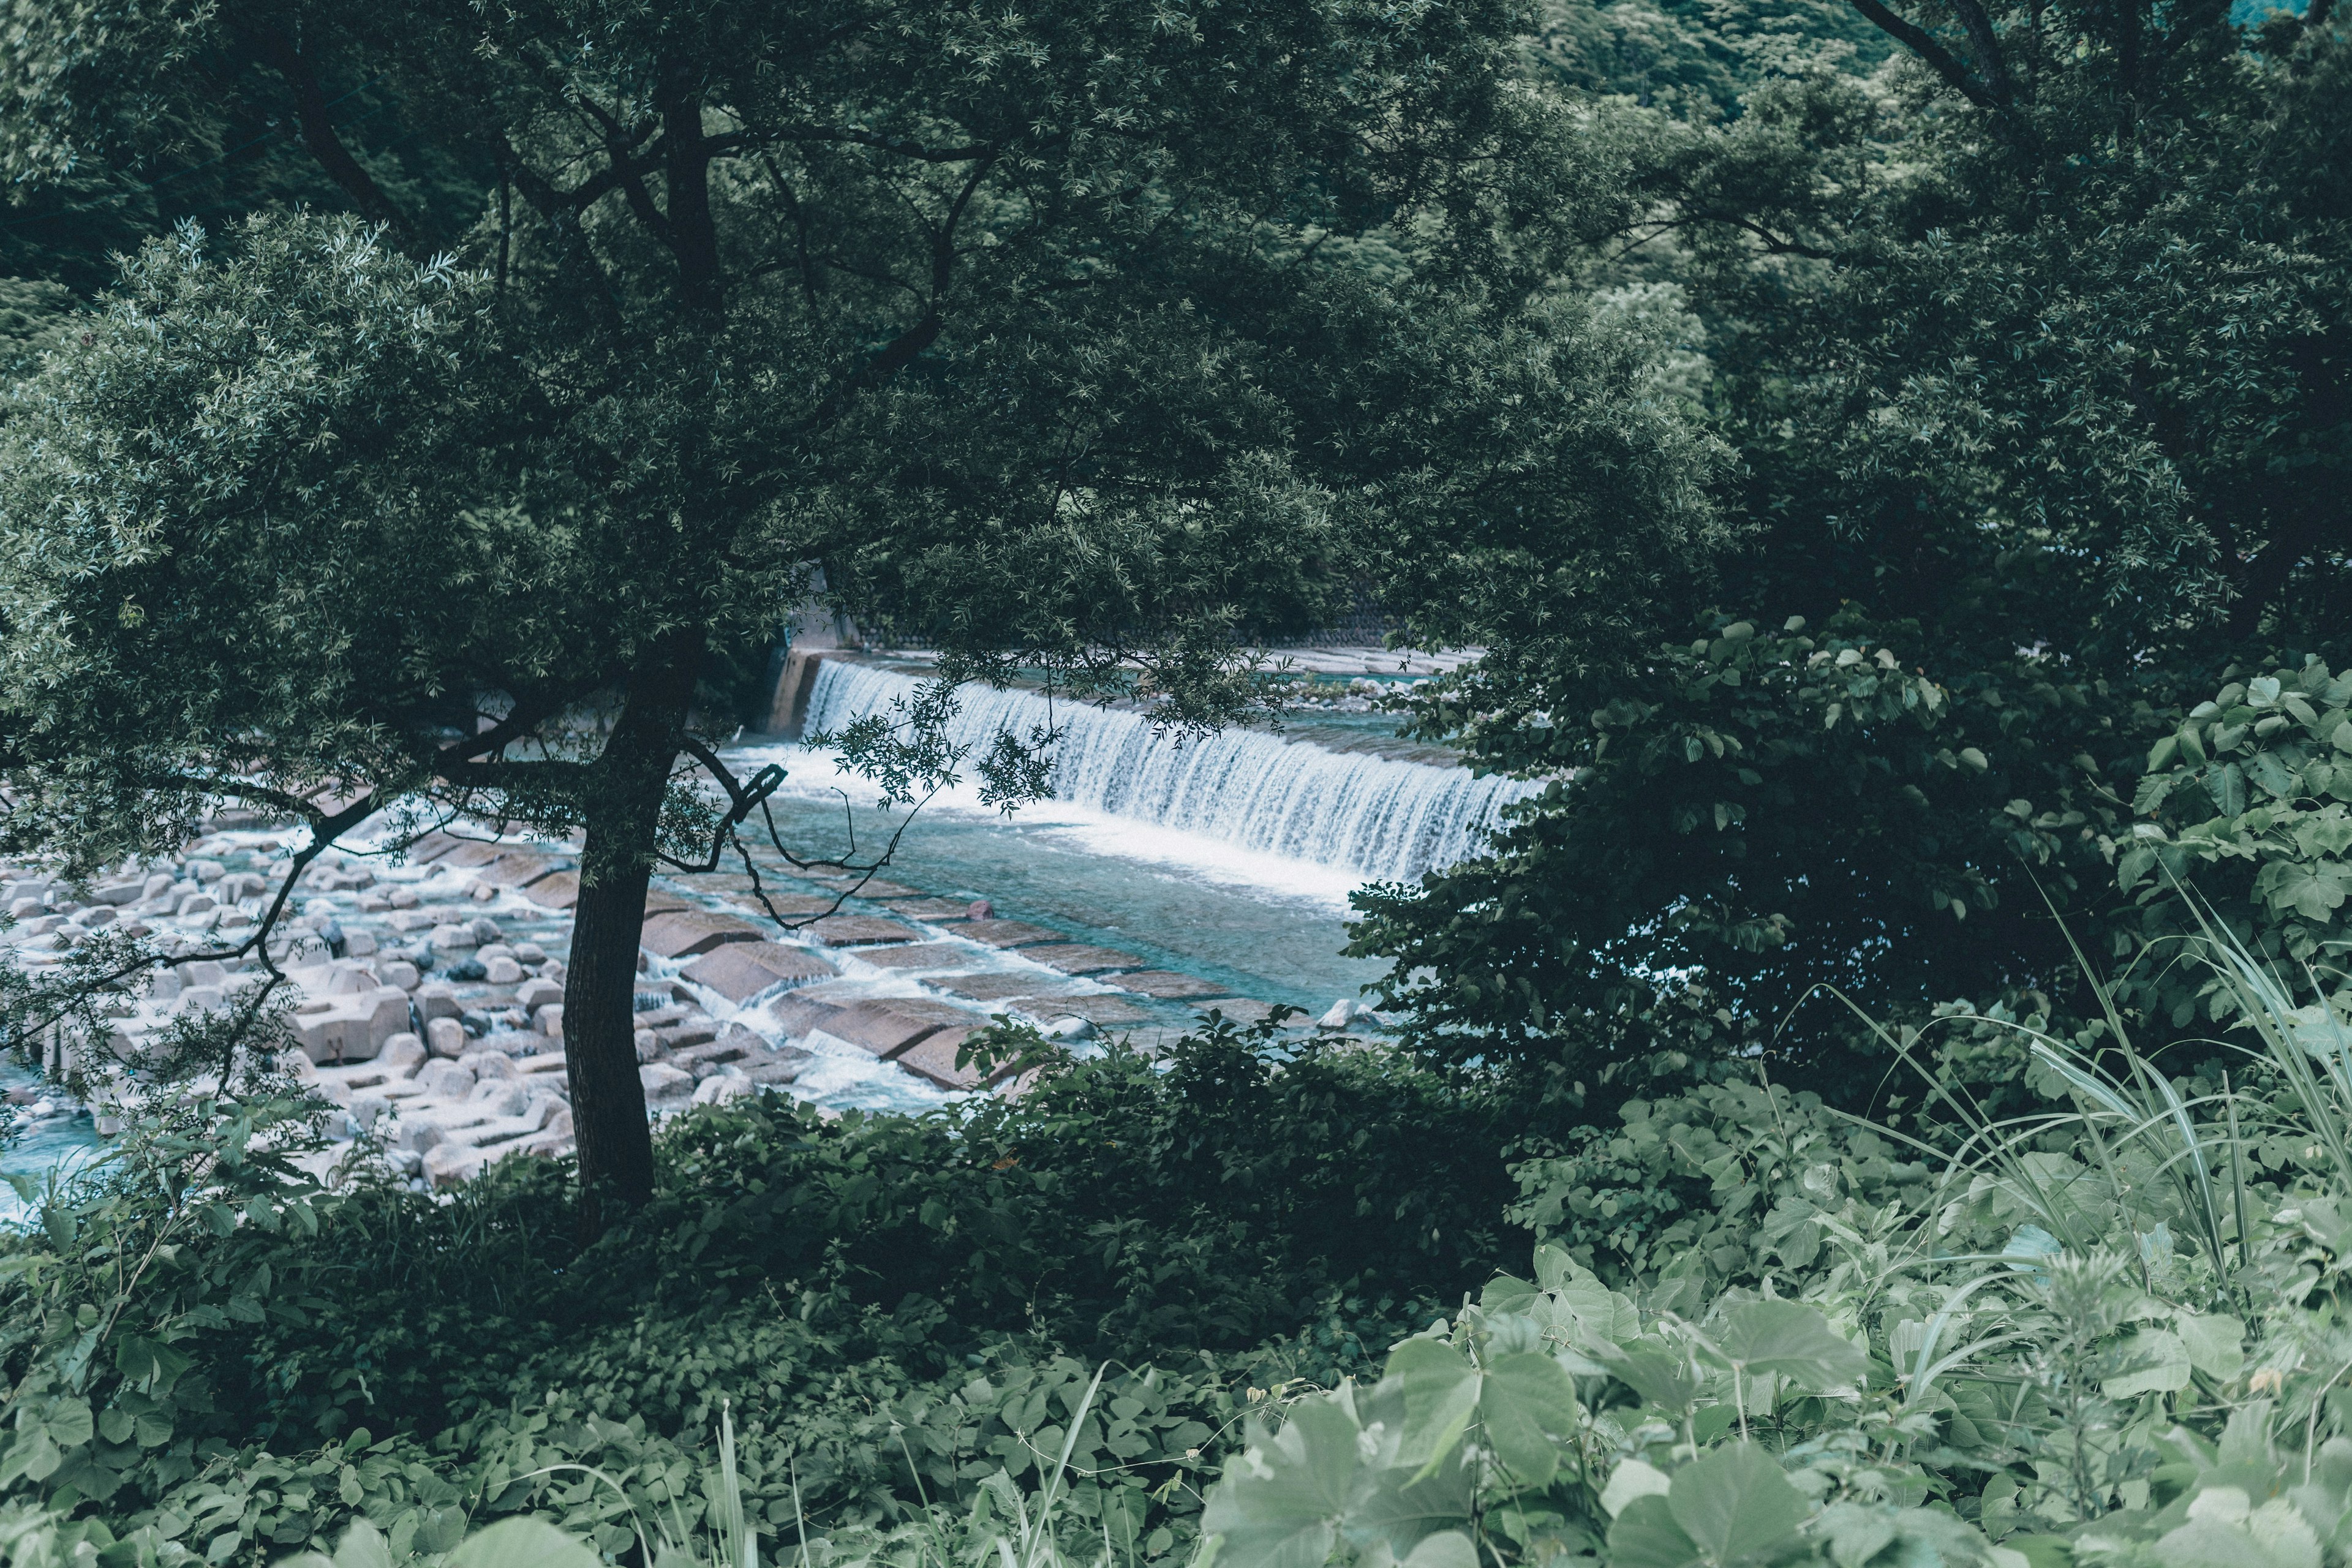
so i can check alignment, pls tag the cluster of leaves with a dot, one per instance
(206, 1348)
(2105, 1333)
(1754, 821)
(2247, 800)
(1778, 812)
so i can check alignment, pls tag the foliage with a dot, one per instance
(896, 1309)
(2103, 1332)
(2246, 802)
(1774, 812)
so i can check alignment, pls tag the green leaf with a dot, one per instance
(1976, 760)
(1632, 1478)
(1446, 1549)
(442, 1530)
(1646, 1536)
(1402, 1506)
(1663, 1377)
(363, 1547)
(1792, 1339)
(2325, 834)
(1734, 1503)
(509, 1544)
(70, 1422)
(2212, 1341)
(1281, 1499)
(2153, 1360)
(2229, 789)
(2162, 752)
(150, 1365)
(2313, 891)
(1441, 1391)
(1528, 1400)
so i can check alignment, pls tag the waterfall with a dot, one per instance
(1377, 817)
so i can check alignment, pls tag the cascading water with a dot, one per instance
(1377, 816)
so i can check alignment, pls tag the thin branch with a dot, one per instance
(319, 133)
(1941, 59)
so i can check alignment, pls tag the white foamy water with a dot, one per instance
(1368, 818)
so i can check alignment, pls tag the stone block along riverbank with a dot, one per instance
(430, 982)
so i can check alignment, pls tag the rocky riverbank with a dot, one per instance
(430, 986)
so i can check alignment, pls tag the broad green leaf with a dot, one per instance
(2212, 1341)
(1663, 1377)
(1446, 1549)
(510, 1543)
(2153, 1360)
(1856, 1532)
(2228, 787)
(1441, 1391)
(1646, 1536)
(1507, 1293)
(2313, 891)
(1401, 1506)
(442, 1530)
(363, 1546)
(151, 1365)
(1792, 1339)
(1633, 1478)
(1735, 1501)
(70, 1422)
(2325, 834)
(1527, 1400)
(1282, 1498)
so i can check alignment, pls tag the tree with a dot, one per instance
(1049, 337)
(2033, 351)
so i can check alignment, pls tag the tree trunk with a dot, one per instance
(623, 814)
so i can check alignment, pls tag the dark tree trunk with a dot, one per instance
(622, 813)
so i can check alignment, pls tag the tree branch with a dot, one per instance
(318, 135)
(1941, 61)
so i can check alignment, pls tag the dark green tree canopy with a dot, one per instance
(2032, 348)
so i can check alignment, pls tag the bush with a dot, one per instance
(206, 1347)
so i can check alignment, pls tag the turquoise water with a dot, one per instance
(1270, 927)
(40, 1143)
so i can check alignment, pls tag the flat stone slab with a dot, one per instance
(1007, 933)
(890, 1026)
(516, 869)
(739, 971)
(934, 1057)
(659, 902)
(787, 903)
(853, 931)
(1094, 1009)
(556, 890)
(922, 955)
(693, 931)
(1078, 958)
(868, 887)
(1169, 986)
(796, 1014)
(994, 987)
(472, 852)
(933, 909)
(431, 848)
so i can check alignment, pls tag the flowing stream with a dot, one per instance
(1373, 817)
